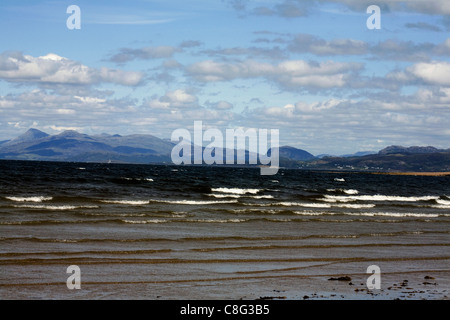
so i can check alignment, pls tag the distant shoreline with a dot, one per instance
(433, 174)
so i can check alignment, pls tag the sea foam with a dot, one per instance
(30, 199)
(235, 190)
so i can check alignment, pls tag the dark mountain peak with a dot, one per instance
(31, 135)
(294, 153)
(408, 150)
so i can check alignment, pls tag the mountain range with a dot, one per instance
(140, 148)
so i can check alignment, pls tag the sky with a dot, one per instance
(314, 70)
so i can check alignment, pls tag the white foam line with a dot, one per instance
(145, 221)
(299, 204)
(127, 202)
(47, 207)
(380, 197)
(195, 202)
(444, 202)
(30, 199)
(236, 190)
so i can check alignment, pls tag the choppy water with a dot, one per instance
(134, 229)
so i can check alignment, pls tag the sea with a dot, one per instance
(215, 232)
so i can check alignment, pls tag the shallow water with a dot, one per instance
(168, 232)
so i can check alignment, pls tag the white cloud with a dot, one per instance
(292, 74)
(180, 98)
(54, 69)
(435, 72)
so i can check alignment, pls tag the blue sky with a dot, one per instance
(311, 69)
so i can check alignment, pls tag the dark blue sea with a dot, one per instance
(212, 232)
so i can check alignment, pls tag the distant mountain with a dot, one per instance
(30, 135)
(358, 154)
(323, 155)
(71, 145)
(74, 146)
(292, 153)
(420, 159)
(409, 150)
(140, 148)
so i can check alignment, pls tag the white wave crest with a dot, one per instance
(347, 191)
(394, 214)
(236, 190)
(379, 197)
(218, 220)
(300, 204)
(354, 206)
(441, 206)
(55, 207)
(195, 202)
(444, 202)
(224, 195)
(30, 199)
(127, 202)
(312, 213)
(145, 221)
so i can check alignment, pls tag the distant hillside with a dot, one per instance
(418, 159)
(74, 146)
(410, 150)
(292, 153)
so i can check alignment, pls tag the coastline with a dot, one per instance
(431, 174)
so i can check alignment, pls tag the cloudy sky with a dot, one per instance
(312, 69)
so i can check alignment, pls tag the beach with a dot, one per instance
(199, 233)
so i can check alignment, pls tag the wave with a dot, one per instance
(354, 206)
(443, 202)
(145, 221)
(394, 214)
(346, 191)
(324, 205)
(300, 204)
(236, 196)
(30, 199)
(127, 202)
(194, 202)
(216, 220)
(55, 207)
(440, 206)
(224, 195)
(368, 214)
(236, 190)
(377, 197)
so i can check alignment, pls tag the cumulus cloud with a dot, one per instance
(54, 69)
(435, 72)
(175, 99)
(293, 74)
